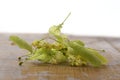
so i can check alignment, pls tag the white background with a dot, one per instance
(89, 17)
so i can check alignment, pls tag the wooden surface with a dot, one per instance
(10, 70)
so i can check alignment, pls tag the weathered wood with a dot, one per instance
(10, 70)
(114, 42)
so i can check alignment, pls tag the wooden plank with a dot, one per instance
(31, 37)
(115, 42)
(10, 70)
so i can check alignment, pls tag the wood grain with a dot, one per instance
(10, 70)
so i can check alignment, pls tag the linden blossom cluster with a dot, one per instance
(62, 50)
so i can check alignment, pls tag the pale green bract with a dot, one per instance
(100, 57)
(62, 50)
(55, 31)
(85, 54)
(21, 43)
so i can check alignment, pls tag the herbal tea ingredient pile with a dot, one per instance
(62, 50)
